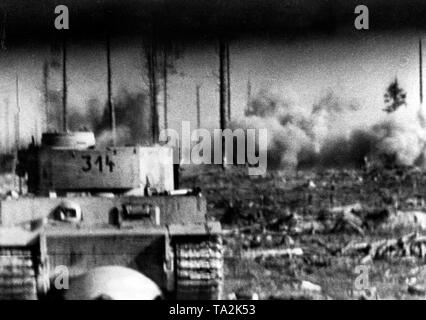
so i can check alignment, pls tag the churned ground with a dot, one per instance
(319, 234)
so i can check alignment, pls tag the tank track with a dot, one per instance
(17, 275)
(199, 268)
(22, 276)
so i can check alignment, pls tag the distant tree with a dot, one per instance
(160, 54)
(394, 97)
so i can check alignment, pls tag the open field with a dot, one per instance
(322, 213)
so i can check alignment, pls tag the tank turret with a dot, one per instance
(70, 162)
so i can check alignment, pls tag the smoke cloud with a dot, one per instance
(333, 132)
(133, 119)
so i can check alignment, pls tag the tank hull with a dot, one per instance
(117, 207)
(183, 259)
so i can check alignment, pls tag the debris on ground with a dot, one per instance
(411, 245)
(339, 218)
(417, 290)
(366, 294)
(12, 194)
(406, 219)
(272, 253)
(347, 220)
(309, 286)
(243, 295)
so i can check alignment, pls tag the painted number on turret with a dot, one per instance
(97, 163)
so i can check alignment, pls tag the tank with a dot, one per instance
(101, 211)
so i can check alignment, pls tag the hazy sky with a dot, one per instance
(354, 68)
(356, 65)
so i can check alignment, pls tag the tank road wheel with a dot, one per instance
(21, 275)
(199, 267)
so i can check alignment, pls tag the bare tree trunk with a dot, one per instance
(18, 117)
(228, 81)
(64, 84)
(3, 32)
(151, 55)
(197, 90)
(36, 125)
(222, 92)
(46, 93)
(248, 107)
(222, 84)
(111, 108)
(17, 131)
(6, 125)
(166, 125)
(421, 70)
(155, 130)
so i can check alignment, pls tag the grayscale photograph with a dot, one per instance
(212, 150)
